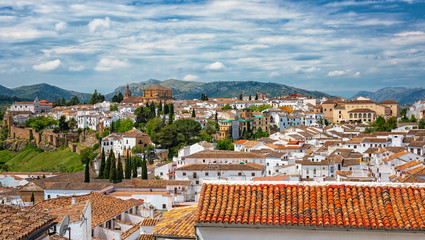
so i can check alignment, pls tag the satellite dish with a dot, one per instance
(64, 225)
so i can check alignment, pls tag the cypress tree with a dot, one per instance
(120, 171)
(160, 107)
(32, 198)
(127, 168)
(256, 96)
(172, 108)
(193, 113)
(144, 168)
(170, 118)
(102, 164)
(107, 168)
(134, 167)
(113, 171)
(166, 108)
(87, 173)
(250, 98)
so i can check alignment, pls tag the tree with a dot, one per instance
(193, 113)
(166, 109)
(256, 96)
(260, 108)
(63, 125)
(102, 164)
(87, 173)
(250, 98)
(160, 107)
(154, 126)
(120, 97)
(113, 172)
(32, 198)
(134, 168)
(120, 171)
(186, 129)
(108, 165)
(260, 133)
(144, 168)
(170, 118)
(96, 98)
(240, 96)
(413, 118)
(125, 125)
(127, 167)
(85, 155)
(143, 114)
(74, 101)
(113, 107)
(217, 127)
(225, 145)
(207, 132)
(40, 123)
(421, 124)
(226, 107)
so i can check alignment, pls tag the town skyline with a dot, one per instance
(336, 47)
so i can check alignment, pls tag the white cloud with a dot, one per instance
(76, 68)
(190, 77)
(336, 73)
(106, 64)
(274, 74)
(217, 66)
(412, 33)
(99, 23)
(357, 74)
(47, 66)
(60, 26)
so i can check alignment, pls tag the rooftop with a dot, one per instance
(367, 206)
(224, 154)
(179, 222)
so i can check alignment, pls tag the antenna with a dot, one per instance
(64, 225)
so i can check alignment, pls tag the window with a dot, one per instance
(184, 174)
(239, 174)
(253, 174)
(218, 173)
(206, 173)
(197, 182)
(164, 206)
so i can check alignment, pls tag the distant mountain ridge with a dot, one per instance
(182, 90)
(43, 91)
(400, 94)
(221, 89)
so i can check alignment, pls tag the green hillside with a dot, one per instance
(31, 159)
(43, 91)
(227, 89)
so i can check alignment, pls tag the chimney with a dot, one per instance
(73, 199)
(151, 211)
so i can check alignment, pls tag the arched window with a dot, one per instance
(369, 115)
(351, 115)
(364, 115)
(355, 115)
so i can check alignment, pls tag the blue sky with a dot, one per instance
(339, 47)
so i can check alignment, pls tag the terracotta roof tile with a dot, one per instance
(149, 222)
(391, 207)
(17, 223)
(179, 222)
(222, 167)
(146, 237)
(224, 154)
(103, 206)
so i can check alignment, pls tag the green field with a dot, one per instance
(31, 159)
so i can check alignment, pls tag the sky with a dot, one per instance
(339, 47)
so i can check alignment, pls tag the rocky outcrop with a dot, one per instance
(15, 145)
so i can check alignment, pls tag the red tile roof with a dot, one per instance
(373, 206)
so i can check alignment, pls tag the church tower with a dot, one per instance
(127, 92)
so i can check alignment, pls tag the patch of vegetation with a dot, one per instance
(33, 159)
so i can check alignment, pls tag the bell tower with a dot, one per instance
(127, 92)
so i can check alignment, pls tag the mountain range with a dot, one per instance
(193, 90)
(181, 90)
(404, 96)
(222, 89)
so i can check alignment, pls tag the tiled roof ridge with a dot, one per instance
(312, 183)
(327, 206)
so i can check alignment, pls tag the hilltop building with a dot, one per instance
(361, 109)
(31, 107)
(154, 93)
